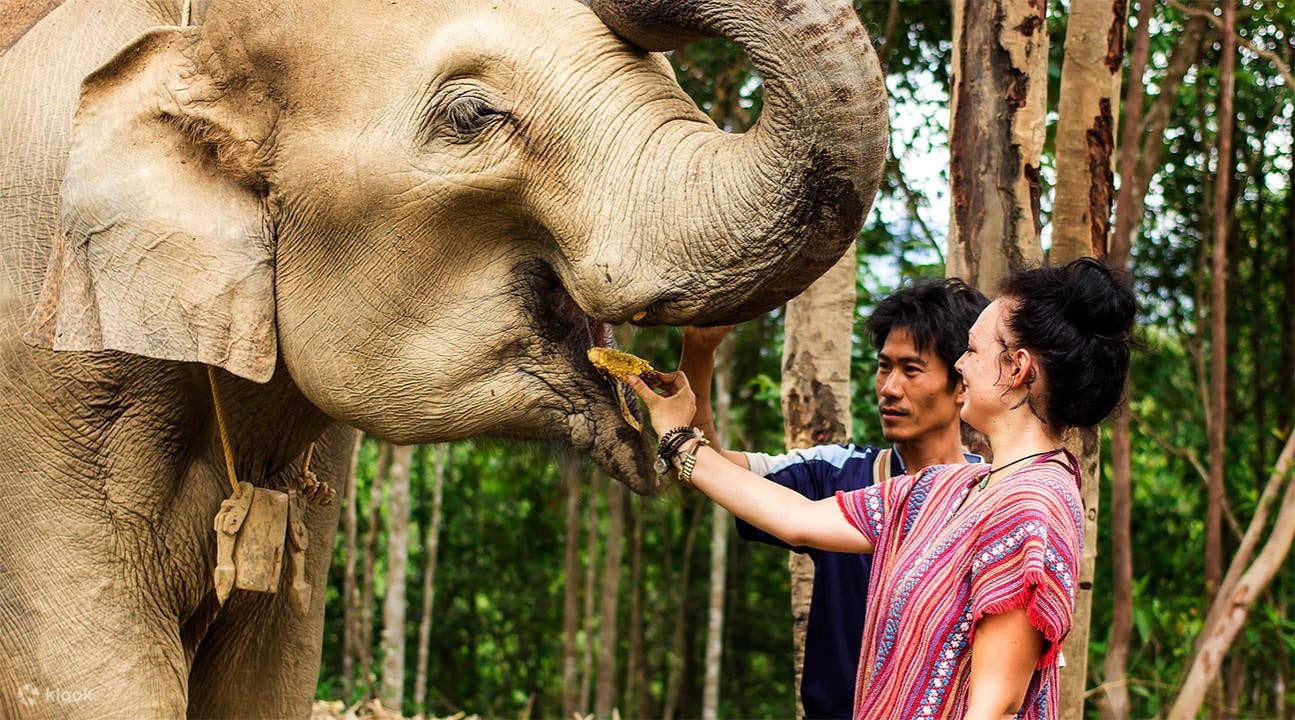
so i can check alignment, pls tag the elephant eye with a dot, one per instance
(467, 116)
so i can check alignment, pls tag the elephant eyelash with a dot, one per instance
(467, 116)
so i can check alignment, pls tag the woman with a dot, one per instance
(974, 569)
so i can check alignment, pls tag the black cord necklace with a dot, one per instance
(985, 480)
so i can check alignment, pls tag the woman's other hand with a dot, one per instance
(673, 408)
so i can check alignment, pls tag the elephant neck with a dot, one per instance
(257, 430)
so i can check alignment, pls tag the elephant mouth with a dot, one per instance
(619, 442)
(602, 420)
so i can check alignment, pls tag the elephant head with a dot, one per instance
(428, 211)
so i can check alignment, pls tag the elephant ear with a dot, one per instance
(166, 249)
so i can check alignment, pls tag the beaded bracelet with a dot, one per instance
(687, 460)
(685, 470)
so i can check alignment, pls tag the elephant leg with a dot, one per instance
(81, 646)
(259, 659)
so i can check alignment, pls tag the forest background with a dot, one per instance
(513, 580)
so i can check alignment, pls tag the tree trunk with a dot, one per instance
(393, 606)
(370, 568)
(720, 522)
(1000, 55)
(1087, 108)
(350, 589)
(1286, 387)
(1259, 250)
(605, 695)
(1232, 603)
(678, 638)
(636, 682)
(1115, 704)
(571, 595)
(431, 548)
(1086, 112)
(1218, 405)
(591, 579)
(816, 399)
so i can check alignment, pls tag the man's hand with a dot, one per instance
(705, 339)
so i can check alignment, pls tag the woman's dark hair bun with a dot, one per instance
(1078, 318)
(1098, 303)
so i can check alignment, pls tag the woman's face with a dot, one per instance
(986, 369)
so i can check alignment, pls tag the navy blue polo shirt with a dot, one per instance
(834, 632)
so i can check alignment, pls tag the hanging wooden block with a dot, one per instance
(258, 550)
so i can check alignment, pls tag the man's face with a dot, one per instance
(913, 390)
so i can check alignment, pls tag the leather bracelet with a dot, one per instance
(669, 444)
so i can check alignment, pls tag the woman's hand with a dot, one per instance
(673, 408)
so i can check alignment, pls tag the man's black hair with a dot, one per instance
(937, 313)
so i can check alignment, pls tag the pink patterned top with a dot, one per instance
(938, 568)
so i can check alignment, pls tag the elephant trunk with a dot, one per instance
(744, 222)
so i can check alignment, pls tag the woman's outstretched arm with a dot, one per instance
(780, 511)
(784, 513)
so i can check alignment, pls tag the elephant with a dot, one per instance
(234, 233)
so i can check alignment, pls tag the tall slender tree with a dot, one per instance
(1087, 107)
(350, 588)
(591, 580)
(371, 568)
(571, 595)
(605, 693)
(393, 606)
(1115, 705)
(816, 398)
(720, 523)
(1286, 380)
(441, 458)
(1218, 403)
(636, 680)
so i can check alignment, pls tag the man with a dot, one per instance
(921, 331)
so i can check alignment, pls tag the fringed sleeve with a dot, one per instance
(1027, 556)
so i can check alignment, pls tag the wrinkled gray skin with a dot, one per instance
(409, 217)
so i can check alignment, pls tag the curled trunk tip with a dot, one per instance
(653, 26)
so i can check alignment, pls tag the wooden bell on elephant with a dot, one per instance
(250, 533)
(251, 530)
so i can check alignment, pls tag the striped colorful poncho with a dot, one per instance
(948, 554)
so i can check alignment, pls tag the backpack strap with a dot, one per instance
(881, 466)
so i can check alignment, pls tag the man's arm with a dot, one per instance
(697, 362)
